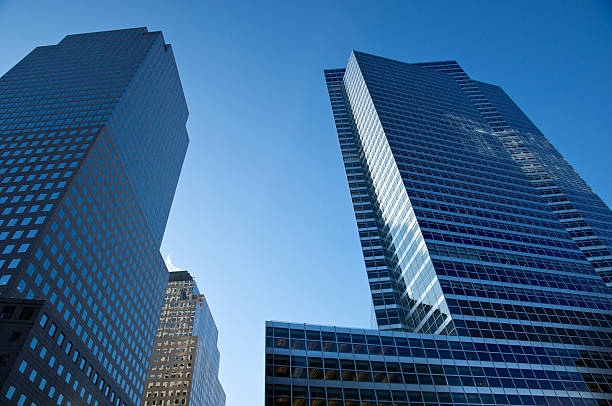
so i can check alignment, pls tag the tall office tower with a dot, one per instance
(92, 140)
(581, 212)
(184, 367)
(486, 254)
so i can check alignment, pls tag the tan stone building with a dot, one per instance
(185, 360)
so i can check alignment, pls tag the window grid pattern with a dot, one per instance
(476, 239)
(584, 215)
(316, 365)
(386, 288)
(150, 120)
(480, 229)
(35, 169)
(77, 230)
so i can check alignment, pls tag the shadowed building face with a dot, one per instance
(92, 140)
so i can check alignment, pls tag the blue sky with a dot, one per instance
(262, 215)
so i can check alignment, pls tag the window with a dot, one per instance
(27, 313)
(7, 312)
(4, 279)
(9, 392)
(43, 320)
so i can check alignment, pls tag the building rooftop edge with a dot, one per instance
(174, 276)
(402, 333)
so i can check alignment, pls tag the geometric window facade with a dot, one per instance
(474, 230)
(334, 366)
(92, 140)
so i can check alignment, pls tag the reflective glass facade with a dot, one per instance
(333, 366)
(184, 367)
(92, 139)
(473, 228)
(583, 214)
(458, 223)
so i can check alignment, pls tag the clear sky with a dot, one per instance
(262, 215)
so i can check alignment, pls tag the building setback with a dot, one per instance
(92, 140)
(184, 366)
(487, 255)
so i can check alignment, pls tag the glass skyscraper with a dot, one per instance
(184, 366)
(92, 140)
(487, 255)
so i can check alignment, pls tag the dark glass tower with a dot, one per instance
(92, 140)
(445, 211)
(476, 234)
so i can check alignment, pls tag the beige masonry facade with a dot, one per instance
(173, 377)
